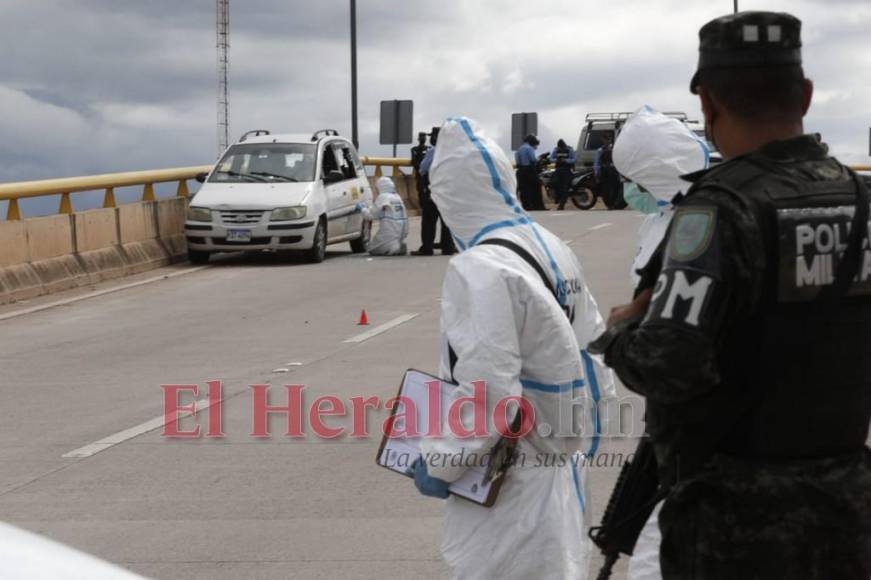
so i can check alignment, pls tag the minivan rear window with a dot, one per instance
(266, 163)
(594, 139)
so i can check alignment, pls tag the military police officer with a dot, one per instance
(752, 340)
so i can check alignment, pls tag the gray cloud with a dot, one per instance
(106, 85)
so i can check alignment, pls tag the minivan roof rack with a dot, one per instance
(324, 133)
(255, 132)
(607, 116)
(623, 116)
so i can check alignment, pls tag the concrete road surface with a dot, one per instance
(89, 370)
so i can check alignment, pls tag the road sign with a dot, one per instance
(396, 122)
(522, 124)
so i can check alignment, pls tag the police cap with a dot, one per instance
(748, 39)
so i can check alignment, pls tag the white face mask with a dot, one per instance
(639, 200)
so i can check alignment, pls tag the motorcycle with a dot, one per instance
(584, 191)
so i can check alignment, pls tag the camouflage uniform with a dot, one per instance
(770, 475)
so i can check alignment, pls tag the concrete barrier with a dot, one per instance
(96, 243)
(43, 255)
(170, 225)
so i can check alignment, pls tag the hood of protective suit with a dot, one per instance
(654, 151)
(472, 183)
(386, 185)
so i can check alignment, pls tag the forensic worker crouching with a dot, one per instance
(516, 313)
(752, 341)
(389, 211)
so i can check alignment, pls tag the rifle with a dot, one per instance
(630, 505)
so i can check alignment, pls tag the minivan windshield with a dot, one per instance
(266, 163)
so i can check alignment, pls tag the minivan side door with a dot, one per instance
(338, 195)
(357, 184)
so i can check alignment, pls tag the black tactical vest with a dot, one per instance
(607, 157)
(797, 375)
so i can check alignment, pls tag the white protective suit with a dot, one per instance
(507, 329)
(389, 212)
(654, 151)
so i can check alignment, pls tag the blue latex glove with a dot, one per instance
(638, 199)
(427, 485)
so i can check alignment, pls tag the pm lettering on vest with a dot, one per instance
(677, 299)
(812, 242)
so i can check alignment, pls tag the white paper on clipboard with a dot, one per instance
(399, 453)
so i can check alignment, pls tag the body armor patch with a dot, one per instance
(693, 230)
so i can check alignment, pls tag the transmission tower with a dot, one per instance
(223, 33)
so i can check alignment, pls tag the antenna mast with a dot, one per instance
(223, 44)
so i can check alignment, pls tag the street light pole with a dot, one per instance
(736, 6)
(354, 138)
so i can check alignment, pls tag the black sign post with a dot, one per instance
(396, 123)
(354, 136)
(522, 124)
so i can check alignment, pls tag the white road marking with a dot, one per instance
(98, 293)
(383, 328)
(127, 434)
(600, 226)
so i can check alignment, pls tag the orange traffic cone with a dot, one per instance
(364, 320)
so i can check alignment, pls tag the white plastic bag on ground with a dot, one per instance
(508, 330)
(654, 151)
(28, 556)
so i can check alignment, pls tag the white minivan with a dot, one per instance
(281, 192)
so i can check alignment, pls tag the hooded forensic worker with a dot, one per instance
(501, 324)
(654, 151)
(389, 212)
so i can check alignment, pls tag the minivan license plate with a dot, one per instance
(238, 235)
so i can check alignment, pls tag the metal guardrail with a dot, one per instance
(12, 192)
(108, 182)
(380, 162)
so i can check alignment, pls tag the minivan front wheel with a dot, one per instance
(198, 257)
(318, 251)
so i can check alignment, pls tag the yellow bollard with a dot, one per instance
(66, 205)
(148, 192)
(182, 190)
(109, 198)
(12, 212)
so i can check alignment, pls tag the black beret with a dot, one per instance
(748, 39)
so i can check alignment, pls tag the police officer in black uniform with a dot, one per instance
(429, 212)
(751, 337)
(418, 152)
(608, 177)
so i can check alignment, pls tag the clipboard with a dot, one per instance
(480, 484)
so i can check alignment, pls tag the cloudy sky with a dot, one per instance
(91, 86)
